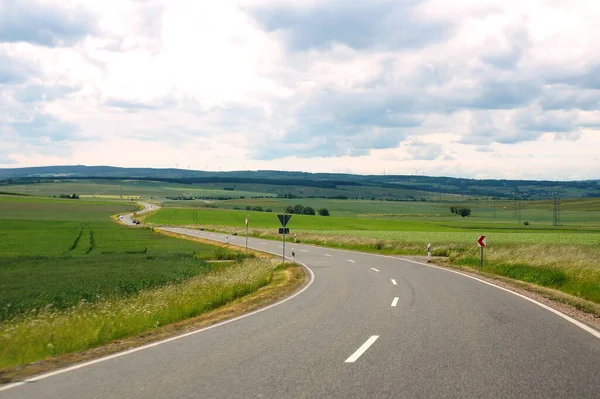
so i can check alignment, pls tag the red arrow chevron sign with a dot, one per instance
(481, 242)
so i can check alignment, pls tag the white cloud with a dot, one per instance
(314, 86)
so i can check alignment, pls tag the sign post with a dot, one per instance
(481, 243)
(284, 219)
(247, 217)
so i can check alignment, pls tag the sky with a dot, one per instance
(463, 88)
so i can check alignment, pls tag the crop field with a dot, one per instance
(55, 253)
(183, 216)
(72, 279)
(115, 189)
(562, 257)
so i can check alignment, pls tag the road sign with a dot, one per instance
(481, 241)
(284, 231)
(284, 219)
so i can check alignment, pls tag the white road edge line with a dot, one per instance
(395, 302)
(571, 320)
(328, 255)
(374, 269)
(352, 261)
(363, 348)
(394, 282)
(164, 341)
(302, 250)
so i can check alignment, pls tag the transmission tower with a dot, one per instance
(556, 218)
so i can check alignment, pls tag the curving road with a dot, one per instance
(128, 218)
(368, 326)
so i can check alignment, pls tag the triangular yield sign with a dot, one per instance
(284, 219)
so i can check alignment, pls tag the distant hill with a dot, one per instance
(524, 189)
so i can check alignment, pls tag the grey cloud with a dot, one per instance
(561, 96)
(14, 71)
(6, 160)
(420, 150)
(335, 123)
(545, 122)
(588, 78)
(507, 94)
(507, 56)
(46, 25)
(360, 25)
(128, 105)
(38, 92)
(42, 125)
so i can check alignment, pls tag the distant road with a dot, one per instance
(367, 327)
(128, 218)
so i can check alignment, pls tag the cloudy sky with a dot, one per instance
(466, 88)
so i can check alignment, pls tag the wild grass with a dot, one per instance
(87, 325)
(567, 262)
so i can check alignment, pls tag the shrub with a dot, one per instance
(298, 209)
(308, 211)
(323, 212)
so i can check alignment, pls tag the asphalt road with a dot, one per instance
(367, 327)
(129, 218)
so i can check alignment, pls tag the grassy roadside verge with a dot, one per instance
(568, 268)
(86, 326)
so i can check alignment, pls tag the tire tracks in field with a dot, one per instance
(78, 238)
(92, 242)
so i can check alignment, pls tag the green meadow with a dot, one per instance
(562, 257)
(72, 279)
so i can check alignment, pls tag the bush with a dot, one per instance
(323, 212)
(289, 209)
(464, 212)
(461, 210)
(268, 210)
(308, 211)
(526, 223)
(298, 209)
(257, 208)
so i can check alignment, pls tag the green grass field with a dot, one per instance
(55, 253)
(104, 190)
(563, 257)
(73, 279)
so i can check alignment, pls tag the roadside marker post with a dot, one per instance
(247, 218)
(429, 253)
(481, 243)
(284, 219)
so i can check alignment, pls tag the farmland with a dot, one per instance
(562, 257)
(72, 279)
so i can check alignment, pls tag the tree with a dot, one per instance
(257, 208)
(323, 212)
(464, 212)
(268, 210)
(453, 209)
(289, 209)
(308, 211)
(298, 209)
